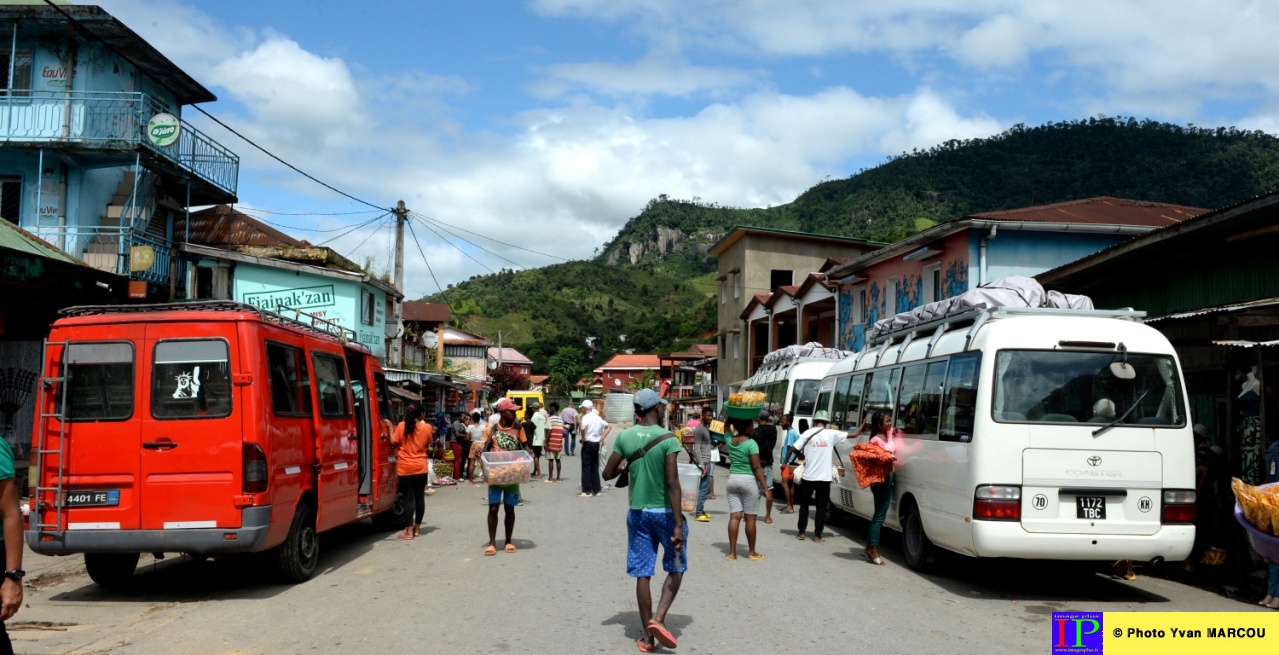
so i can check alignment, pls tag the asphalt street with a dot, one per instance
(566, 591)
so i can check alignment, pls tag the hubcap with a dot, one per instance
(306, 544)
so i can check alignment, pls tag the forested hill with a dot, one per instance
(652, 281)
(1024, 166)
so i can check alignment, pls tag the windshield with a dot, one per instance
(1078, 387)
(804, 399)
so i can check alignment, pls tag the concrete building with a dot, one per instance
(753, 261)
(510, 359)
(420, 320)
(96, 158)
(952, 257)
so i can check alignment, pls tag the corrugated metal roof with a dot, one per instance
(1222, 309)
(1246, 344)
(16, 238)
(632, 361)
(426, 312)
(209, 228)
(509, 356)
(1102, 210)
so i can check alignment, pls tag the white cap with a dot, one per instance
(587, 404)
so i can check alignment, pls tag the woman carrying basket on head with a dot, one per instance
(882, 435)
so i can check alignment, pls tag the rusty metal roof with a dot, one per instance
(1102, 210)
(426, 312)
(209, 227)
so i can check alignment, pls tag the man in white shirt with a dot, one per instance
(594, 431)
(816, 448)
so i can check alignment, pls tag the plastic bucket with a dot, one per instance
(507, 467)
(619, 408)
(690, 479)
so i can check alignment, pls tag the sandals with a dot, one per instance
(490, 551)
(768, 520)
(510, 548)
(819, 540)
(643, 647)
(404, 537)
(663, 636)
(755, 558)
(800, 536)
(873, 557)
(731, 558)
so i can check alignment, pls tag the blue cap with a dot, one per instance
(646, 399)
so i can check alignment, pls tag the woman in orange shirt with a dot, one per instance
(412, 438)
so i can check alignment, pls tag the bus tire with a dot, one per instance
(393, 518)
(297, 557)
(915, 544)
(112, 570)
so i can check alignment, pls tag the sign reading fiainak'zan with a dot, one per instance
(303, 298)
(163, 129)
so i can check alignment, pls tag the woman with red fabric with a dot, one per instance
(412, 437)
(883, 435)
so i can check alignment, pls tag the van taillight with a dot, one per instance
(994, 502)
(1179, 506)
(254, 469)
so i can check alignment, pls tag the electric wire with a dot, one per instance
(366, 223)
(268, 211)
(465, 240)
(457, 247)
(370, 236)
(509, 245)
(428, 264)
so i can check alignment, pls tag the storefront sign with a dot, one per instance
(303, 298)
(163, 129)
(141, 258)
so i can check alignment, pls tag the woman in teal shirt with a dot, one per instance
(745, 479)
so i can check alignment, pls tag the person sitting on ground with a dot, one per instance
(505, 435)
(651, 454)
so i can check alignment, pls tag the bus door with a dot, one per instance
(192, 427)
(336, 442)
(100, 466)
(365, 412)
(385, 480)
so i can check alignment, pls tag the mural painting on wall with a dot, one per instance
(909, 290)
(956, 277)
(845, 304)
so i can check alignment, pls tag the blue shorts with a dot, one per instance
(646, 529)
(510, 494)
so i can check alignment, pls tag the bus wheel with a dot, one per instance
(393, 518)
(111, 569)
(297, 557)
(917, 547)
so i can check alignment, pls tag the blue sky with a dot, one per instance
(548, 123)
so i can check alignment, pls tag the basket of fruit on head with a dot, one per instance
(1257, 509)
(745, 404)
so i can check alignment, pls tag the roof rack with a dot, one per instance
(977, 316)
(299, 319)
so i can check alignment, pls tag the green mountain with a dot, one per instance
(653, 281)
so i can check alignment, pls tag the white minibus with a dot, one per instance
(791, 383)
(1026, 433)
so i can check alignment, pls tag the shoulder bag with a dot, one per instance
(624, 478)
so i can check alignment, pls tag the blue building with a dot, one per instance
(967, 252)
(95, 157)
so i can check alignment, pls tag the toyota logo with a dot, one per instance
(1094, 461)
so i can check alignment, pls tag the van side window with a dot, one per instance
(290, 384)
(383, 396)
(960, 406)
(841, 402)
(99, 381)
(853, 413)
(191, 379)
(330, 380)
(909, 401)
(930, 399)
(881, 390)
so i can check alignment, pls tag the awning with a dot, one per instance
(407, 395)
(1246, 344)
(1265, 303)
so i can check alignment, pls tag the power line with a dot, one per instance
(428, 264)
(464, 240)
(84, 31)
(268, 211)
(370, 236)
(509, 245)
(377, 218)
(456, 247)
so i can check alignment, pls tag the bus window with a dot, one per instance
(824, 396)
(191, 379)
(960, 405)
(1079, 387)
(804, 400)
(930, 399)
(841, 402)
(909, 412)
(853, 410)
(290, 384)
(881, 390)
(99, 381)
(330, 378)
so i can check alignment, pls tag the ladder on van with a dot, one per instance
(43, 449)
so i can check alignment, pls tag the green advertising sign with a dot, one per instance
(163, 129)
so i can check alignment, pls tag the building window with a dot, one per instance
(11, 198)
(367, 302)
(210, 283)
(737, 286)
(865, 309)
(473, 352)
(723, 292)
(737, 346)
(22, 66)
(890, 297)
(778, 278)
(932, 284)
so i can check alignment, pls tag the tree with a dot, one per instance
(507, 379)
(644, 381)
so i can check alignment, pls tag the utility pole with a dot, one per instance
(397, 345)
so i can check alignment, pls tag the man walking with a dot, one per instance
(569, 416)
(594, 431)
(702, 446)
(650, 453)
(505, 435)
(539, 435)
(816, 450)
(765, 435)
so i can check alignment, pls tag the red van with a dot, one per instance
(205, 428)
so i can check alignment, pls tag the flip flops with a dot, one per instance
(510, 548)
(490, 551)
(643, 647)
(661, 634)
(755, 558)
(818, 540)
(800, 536)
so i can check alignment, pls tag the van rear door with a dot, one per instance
(192, 432)
(337, 440)
(1091, 491)
(100, 464)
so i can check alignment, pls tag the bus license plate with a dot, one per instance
(93, 498)
(1090, 508)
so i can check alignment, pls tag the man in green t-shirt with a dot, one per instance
(652, 519)
(11, 514)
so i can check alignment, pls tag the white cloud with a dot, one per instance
(653, 75)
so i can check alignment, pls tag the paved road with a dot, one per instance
(566, 591)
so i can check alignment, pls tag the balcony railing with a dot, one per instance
(110, 248)
(104, 118)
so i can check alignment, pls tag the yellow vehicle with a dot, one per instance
(523, 398)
